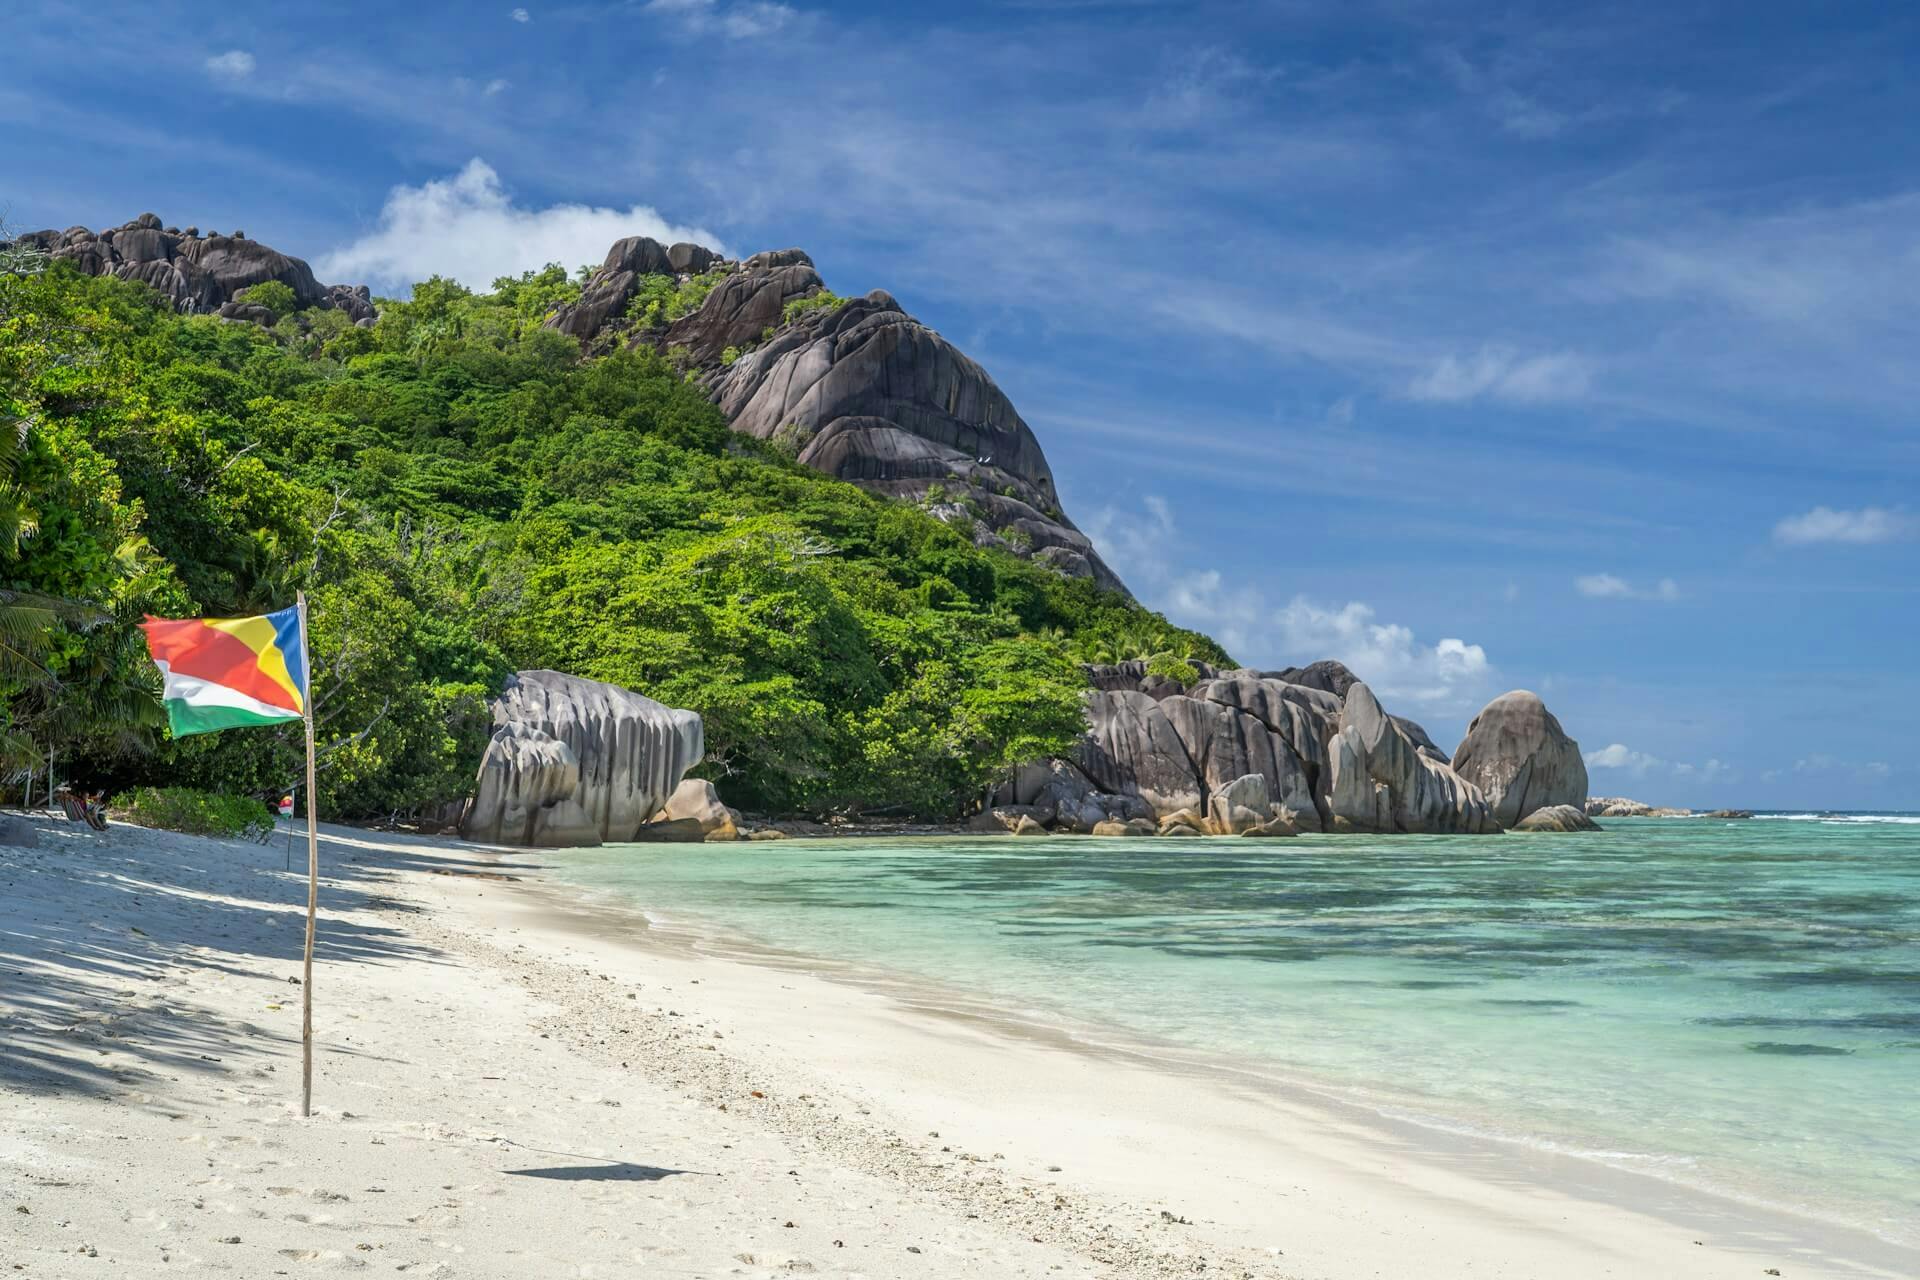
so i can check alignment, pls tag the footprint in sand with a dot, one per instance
(332, 1257)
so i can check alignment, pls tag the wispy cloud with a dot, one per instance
(1501, 373)
(1607, 586)
(468, 228)
(1618, 756)
(521, 15)
(748, 20)
(234, 64)
(1860, 527)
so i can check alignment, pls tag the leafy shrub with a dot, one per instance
(824, 300)
(790, 439)
(197, 813)
(659, 300)
(1172, 667)
(271, 294)
(728, 356)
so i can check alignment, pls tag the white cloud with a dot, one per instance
(1386, 655)
(746, 21)
(1607, 586)
(521, 15)
(1143, 548)
(497, 87)
(234, 64)
(468, 228)
(1862, 527)
(1501, 373)
(1618, 755)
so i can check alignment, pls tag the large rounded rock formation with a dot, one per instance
(577, 762)
(1521, 759)
(1334, 761)
(855, 387)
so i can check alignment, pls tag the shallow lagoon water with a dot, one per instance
(1732, 1005)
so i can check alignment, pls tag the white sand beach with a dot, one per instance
(515, 1083)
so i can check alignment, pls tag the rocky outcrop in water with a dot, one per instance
(577, 762)
(1621, 807)
(858, 389)
(1521, 759)
(1328, 762)
(1557, 817)
(196, 273)
(695, 800)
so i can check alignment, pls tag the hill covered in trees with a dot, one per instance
(463, 493)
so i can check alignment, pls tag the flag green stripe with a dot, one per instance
(186, 718)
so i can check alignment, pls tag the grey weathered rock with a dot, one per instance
(1333, 762)
(1132, 748)
(577, 762)
(1557, 817)
(696, 798)
(1280, 826)
(199, 274)
(1240, 806)
(1521, 759)
(1002, 818)
(1326, 675)
(523, 775)
(604, 297)
(1028, 827)
(670, 831)
(889, 404)
(1621, 807)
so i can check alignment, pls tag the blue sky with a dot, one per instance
(1481, 346)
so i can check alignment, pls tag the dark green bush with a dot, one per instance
(197, 813)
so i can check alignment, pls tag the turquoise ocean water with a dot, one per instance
(1731, 1005)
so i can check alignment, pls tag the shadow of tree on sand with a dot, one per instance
(103, 930)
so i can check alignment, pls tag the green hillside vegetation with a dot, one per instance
(462, 495)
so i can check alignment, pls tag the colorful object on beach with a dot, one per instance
(226, 673)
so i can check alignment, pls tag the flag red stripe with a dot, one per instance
(190, 647)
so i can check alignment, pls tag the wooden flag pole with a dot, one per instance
(313, 870)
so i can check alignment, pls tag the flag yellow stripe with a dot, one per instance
(258, 635)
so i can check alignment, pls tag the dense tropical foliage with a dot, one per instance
(461, 494)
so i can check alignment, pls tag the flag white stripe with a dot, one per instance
(196, 692)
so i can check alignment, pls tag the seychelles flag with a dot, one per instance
(226, 673)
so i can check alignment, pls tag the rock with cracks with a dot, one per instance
(577, 762)
(1521, 759)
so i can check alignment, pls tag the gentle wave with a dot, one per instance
(1869, 819)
